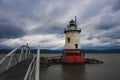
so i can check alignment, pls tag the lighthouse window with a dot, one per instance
(68, 39)
(76, 45)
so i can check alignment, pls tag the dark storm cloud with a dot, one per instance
(116, 6)
(48, 29)
(113, 34)
(106, 25)
(108, 21)
(9, 30)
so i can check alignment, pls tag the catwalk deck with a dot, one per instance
(16, 72)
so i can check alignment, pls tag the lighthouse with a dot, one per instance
(72, 52)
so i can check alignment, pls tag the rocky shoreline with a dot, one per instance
(47, 61)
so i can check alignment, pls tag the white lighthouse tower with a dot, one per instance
(72, 40)
(72, 52)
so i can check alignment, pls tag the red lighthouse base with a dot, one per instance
(73, 56)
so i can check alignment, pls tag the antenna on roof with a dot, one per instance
(76, 21)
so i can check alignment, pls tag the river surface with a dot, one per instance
(110, 70)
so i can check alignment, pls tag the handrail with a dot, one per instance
(28, 73)
(12, 58)
(34, 69)
(9, 54)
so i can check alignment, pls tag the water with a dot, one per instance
(107, 71)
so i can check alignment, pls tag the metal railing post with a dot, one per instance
(21, 54)
(26, 52)
(37, 65)
(9, 63)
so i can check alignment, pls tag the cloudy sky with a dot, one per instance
(43, 22)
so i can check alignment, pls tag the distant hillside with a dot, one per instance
(4, 51)
(43, 51)
(102, 51)
(47, 51)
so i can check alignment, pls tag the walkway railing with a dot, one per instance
(14, 57)
(34, 69)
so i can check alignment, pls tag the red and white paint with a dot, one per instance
(72, 53)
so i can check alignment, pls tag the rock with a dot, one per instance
(46, 62)
(93, 61)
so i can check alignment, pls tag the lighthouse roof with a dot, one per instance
(72, 26)
(72, 23)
